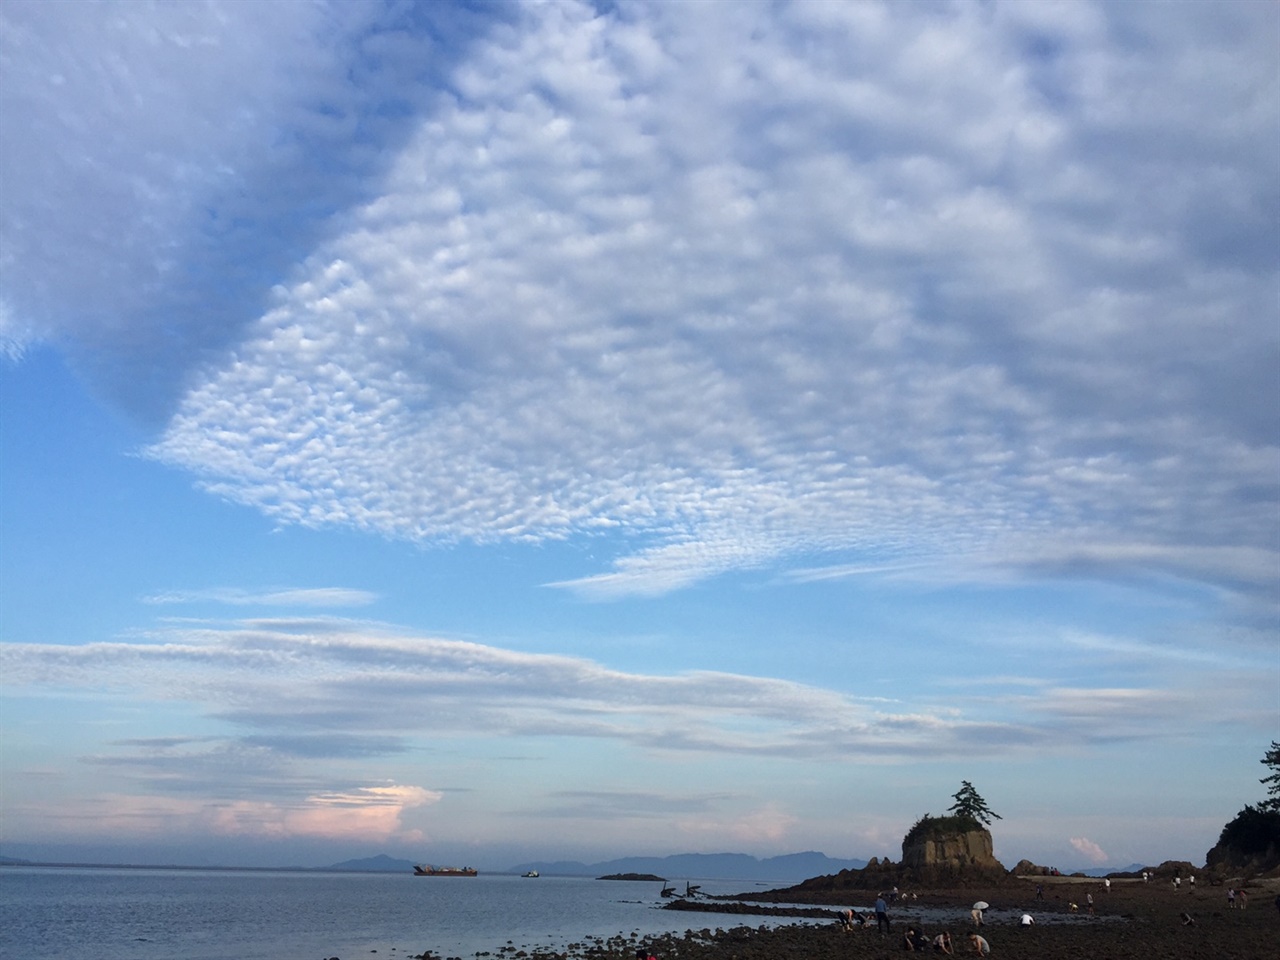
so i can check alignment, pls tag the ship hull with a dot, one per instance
(427, 870)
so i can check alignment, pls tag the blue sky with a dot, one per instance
(509, 431)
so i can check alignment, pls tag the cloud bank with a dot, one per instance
(727, 285)
(332, 728)
(331, 688)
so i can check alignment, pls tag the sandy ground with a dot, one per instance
(1134, 920)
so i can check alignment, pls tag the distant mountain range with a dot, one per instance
(792, 867)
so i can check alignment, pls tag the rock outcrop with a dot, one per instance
(1025, 868)
(1249, 846)
(950, 851)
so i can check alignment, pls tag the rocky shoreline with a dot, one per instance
(1134, 921)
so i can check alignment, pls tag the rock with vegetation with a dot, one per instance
(950, 851)
(955, 850)
(1249, 846)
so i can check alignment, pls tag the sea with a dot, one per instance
(131, 913)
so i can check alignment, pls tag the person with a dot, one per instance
(1231, 898)
(980, 945)
(1187, 919)
(846, 920)
(1027, 920)
(882, 914)
(913, 940)
(1106, 882)
(1039, 891)
(1088, 899)
(1192, 879)
(976, 914)
(1244, 898)
(942, 942)
(1177, 882)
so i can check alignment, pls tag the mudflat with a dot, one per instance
(1133, 920)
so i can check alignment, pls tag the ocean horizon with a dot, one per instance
(50, 912)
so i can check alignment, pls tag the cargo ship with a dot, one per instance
(427, 870)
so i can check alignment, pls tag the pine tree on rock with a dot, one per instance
(1272, 759)
(971, 806)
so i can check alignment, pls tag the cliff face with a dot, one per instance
(951, 850)
(946, 850)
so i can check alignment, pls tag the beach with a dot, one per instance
(1133, 920)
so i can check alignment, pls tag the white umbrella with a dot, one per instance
(981, 905)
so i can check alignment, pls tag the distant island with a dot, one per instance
(649, 877)
(791, 867)
(722, 866)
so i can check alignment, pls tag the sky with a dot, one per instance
(493, 432)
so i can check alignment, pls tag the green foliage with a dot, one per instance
(971, 806)
(928, 827)
(1253, 831)
(1272, 782)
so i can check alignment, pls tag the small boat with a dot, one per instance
(427, 870)
(531, 873)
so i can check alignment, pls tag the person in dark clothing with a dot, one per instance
(882, 914)
(913, 940)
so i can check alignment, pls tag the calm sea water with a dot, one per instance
(145, 914)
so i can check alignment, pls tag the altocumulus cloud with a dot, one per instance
(915, 290)
(734, 283)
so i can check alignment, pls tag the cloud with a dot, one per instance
(296, 691)
(973, 287)
(176, 160)
(296, 597)
(371, 813)
(1089, 849)
(672, 281)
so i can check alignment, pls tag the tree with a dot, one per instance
(971, 806)
(1272, 759)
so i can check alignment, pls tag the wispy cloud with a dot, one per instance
(292, 597)
(333, 688)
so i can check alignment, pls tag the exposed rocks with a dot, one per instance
(1025, 868)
